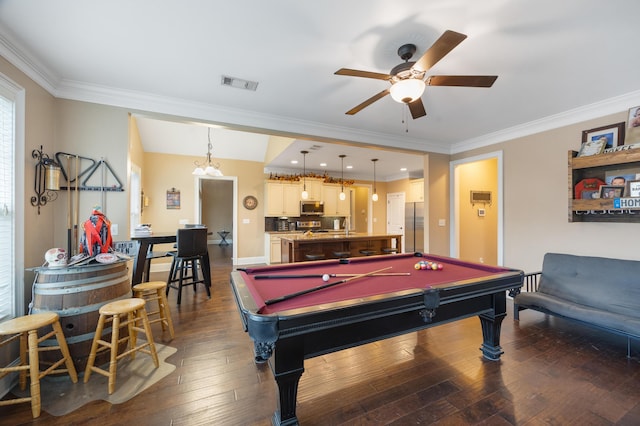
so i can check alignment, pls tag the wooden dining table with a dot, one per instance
(147, 242)
(146, 245)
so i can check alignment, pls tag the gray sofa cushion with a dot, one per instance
(611, 285)
(599, 317)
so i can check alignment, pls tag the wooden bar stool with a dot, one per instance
(155, 291)
(26, 329)
(135, 312)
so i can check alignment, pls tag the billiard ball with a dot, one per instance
(325, 277)
(417, 266)
(440, 266)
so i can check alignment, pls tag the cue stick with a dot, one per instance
(383, 274)
(76, 241)
(69, 206)
(320, 287)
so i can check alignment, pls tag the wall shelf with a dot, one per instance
(596, 166)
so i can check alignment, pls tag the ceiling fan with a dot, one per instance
(407, 79)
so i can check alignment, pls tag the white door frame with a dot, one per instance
(198, 206)
(454, 196)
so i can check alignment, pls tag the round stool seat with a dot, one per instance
(389, 250)
(122, 306)
(28, 322)
(315, 256)
(148, 286)
(341, 254)
(368, 252)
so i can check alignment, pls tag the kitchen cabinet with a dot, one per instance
(416, 191)
(282, 198)
(333, 205)
(314, 188)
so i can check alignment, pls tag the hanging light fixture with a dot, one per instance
(343, 196)
(208, 168)
(305, 194)
(407, 90)
(374, 197)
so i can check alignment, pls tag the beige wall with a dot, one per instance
(478, 235)
(163, 172)
(437, 193)
(535, 201)
(40, 123)
(97, 132)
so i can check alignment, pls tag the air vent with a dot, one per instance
(239, 83)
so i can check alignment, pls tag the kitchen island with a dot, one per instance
(296, 247)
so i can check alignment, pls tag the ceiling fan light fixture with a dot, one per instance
(407, 90)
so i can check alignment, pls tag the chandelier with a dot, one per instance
(208, 168)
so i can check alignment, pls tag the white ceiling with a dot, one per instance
(557, 63)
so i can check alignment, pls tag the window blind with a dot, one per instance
(7, 210)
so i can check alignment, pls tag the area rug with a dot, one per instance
(60, 396)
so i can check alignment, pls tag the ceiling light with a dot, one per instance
(305, 194)
(323, 164)
(407, 90)
(374, 197)
(343, 196)
(294, 161)
(208, 168)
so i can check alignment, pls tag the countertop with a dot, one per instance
(320, 236)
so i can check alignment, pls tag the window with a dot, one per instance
(11, 199)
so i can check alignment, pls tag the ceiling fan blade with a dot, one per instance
(365, 74)
(368, 102)
(417, 109)
(462, 80)
(438, 50)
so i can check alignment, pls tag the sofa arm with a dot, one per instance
(531, 281)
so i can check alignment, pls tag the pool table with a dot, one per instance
(291, 313)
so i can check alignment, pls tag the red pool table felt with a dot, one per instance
(454, 271)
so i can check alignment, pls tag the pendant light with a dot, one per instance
(207, 168)
(374, 197)
(343, 196)
(305, 194)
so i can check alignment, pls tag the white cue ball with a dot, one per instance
(325, 277)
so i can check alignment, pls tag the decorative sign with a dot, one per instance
(626, 203)
(173, 199)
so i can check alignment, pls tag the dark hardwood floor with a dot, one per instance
(552, 373)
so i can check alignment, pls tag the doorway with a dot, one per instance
(215, 207)
(477, 223)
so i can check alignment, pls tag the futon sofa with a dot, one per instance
(600, 292)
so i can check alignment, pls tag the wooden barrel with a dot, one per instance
(76, 294)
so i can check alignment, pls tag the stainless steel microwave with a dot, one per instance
(308, 208)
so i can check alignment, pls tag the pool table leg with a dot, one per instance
(287, 365)
(491, 325)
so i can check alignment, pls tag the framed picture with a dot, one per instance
(173, 199)
(612, 135)
(621, 176)
(590, 194)
(633, 126)
(592, 148)
(634, 188)
(611, 191)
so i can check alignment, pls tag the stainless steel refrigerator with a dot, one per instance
(414, 227)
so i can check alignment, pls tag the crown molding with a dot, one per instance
(588, 112)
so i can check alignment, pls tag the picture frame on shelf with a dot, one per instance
(592, 148)
(611, 191)
(613, 135)
(590, 194)
(632, 135)
(634, 188)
